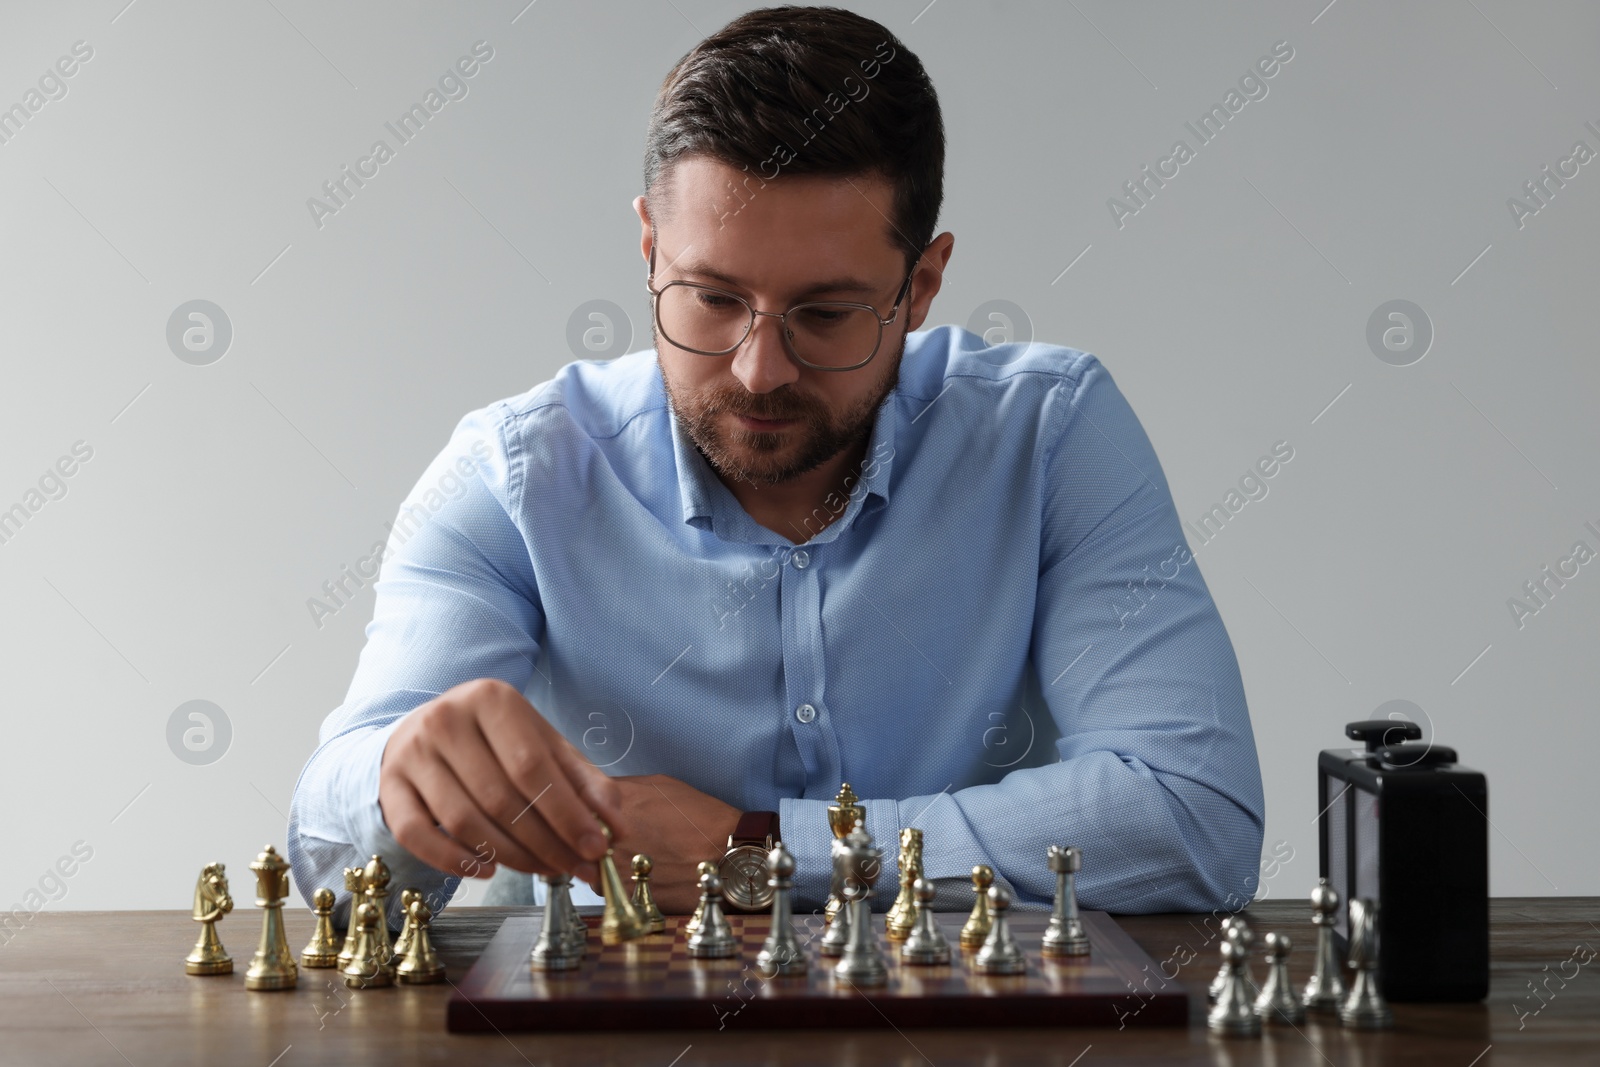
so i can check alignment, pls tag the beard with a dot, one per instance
(771, 458)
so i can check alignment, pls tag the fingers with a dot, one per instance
(452, 802)
(544, 767)
(516, 814)
(592, 785)
(413, 826)
(478, 777)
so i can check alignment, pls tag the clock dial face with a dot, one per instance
(744, 878)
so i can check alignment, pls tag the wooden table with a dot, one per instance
(109, 988)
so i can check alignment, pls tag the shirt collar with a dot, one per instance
(699, 488)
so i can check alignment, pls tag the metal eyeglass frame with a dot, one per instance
(783, 318)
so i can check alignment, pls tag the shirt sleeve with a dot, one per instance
(455, 600)
(1157, 780)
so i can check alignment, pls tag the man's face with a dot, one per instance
(775, 246)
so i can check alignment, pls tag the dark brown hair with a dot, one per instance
(805, 91)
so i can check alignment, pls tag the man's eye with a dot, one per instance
(712, 301)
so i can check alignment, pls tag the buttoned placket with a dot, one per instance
(804, 668)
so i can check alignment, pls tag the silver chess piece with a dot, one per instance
(554, 950)
(862, 963)
(1233, 1015)
(927, 945)
(1000, 953)
(577, 929)
(714, 939)
(1065, 936)
(837, 937)
(781, 954)
(1325, 991)
(1277, 1002)
(1364, 1007)
(1249, 937)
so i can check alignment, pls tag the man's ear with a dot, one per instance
(642, 209)
(928, 277)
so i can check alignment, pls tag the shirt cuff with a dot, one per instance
(359, 765)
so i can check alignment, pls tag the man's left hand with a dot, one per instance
(677, 826)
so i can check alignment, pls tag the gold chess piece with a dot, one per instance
(273, 966)
(976, 929)
(211, 903)
(366, 969)
(323, 948)
(643, 901)
(620, 922)
(375, 880)
(706, 867)
(421, 965)
(903, 912)
(353, 881)
(403, 942)
(844, 814)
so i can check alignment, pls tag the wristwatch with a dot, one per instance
(743, 868)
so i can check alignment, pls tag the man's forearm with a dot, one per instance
(1152, 841)
(335, 822)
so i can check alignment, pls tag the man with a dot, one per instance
(692, 590)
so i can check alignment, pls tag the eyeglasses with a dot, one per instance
(820, 334)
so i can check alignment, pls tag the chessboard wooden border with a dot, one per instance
(1127, 997)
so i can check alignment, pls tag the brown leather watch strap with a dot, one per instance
(754, 828)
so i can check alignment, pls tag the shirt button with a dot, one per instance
(805, 713)
(801, 559)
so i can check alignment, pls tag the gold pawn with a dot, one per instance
(903, 912)
(353, 877)
(366, 969)
(403, 941)
(421, 965)
(323, 948)
(619, 922)
(976, 929)
(706, 867)
(375, 879)
(644, 902)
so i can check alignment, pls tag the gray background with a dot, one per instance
(1232, 310)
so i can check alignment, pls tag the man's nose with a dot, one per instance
(762, 363)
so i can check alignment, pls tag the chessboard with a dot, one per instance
(654, 984)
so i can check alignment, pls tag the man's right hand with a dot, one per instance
(476, 777)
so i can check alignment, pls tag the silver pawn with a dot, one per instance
(714, 939)
(837, 937)
(1233, 1014)
(1325, 991)
(927, 944)
(1364, 1007)
(1065, 936)
(577, 929)
(554, 951)
(1277, 1002)
(1249, 938)
(862, 963)
(999, 954)
(781, 954)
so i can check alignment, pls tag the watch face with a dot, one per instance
(744, 878)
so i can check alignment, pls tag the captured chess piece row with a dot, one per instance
(563, 938)
(1239, 1008)
(364, 957)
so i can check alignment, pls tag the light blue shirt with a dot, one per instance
(1002, 639)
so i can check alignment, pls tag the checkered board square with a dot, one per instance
(654, 984)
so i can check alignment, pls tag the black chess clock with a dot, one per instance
(1405, 825)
